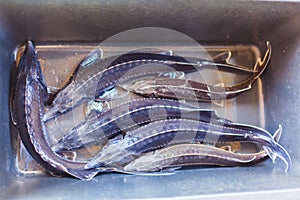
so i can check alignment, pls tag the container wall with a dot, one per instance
(208, 22)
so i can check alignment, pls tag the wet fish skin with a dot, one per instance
(186, 158)
(120, 151)
(99, 127)
(93, 81)
(190, 154)
(181, 89)
(159, 134)
(196, 91)
(29, 97)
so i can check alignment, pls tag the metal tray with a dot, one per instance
(211, 23)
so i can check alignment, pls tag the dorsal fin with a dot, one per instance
(278, 133)
(222, 58)
(93, 57)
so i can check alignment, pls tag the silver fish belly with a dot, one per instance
(189, 155)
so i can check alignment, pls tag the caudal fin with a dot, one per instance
(278, 151)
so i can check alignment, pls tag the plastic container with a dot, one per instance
(211, 23)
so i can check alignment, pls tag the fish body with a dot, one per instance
(94, 79)
(30, 95)
(175, 88)
(99, 127)
(189, 155)
(162, 133)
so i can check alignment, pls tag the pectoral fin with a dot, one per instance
(86, 174)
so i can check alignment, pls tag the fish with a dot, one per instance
(29, 96)
(177, 156)
(161, 133)
(94, 76)
(99, 127)
(184, 89)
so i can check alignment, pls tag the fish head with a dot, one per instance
(29, 67)
(29, 64)
(24, 66)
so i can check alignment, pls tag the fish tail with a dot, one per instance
(276, 150)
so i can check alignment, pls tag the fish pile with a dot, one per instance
(157, 131)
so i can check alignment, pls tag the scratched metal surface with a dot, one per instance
(209, 22)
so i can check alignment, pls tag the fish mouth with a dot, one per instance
(28, 58)
(30, 49)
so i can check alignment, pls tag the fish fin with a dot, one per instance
(278, 133)
(166, 52)
(93, 57)
(270, 153)
(83, 174)
(284, 156)
(261, 65)
(222, 58)
(112, 93)
(278, 150)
